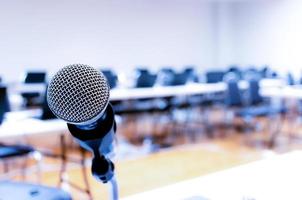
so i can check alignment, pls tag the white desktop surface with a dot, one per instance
(287, 92)
(20, 123)
(118, 94)
(165, 91)
(275, 178)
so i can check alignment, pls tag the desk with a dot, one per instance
(275, 178)
(120, 94)
(21, 123)
(286, 92)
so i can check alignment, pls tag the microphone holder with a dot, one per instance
(98, 139)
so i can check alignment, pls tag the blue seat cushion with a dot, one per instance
(7, 151)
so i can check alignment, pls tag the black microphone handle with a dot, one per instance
(99, 141)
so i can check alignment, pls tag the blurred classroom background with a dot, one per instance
(198, 86)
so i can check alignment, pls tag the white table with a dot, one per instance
(275, 178)
(119, 94)
(165, 91)
(286, 92)
(21, 123)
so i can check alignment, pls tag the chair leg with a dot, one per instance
(84, 172)
(24, 168)
(62, 173)
(38, 158)
(5, 166)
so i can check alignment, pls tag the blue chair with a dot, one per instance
(33, 77)
(256, 106)
(145, 80)
(165, 77)
(46, 112)
(9, 151)
(214, 76)
(191, 73)
(290, 79)
(254, 96)
(235, 69)
(233, 95)
(111, 78)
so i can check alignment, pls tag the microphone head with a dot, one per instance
(78, 94)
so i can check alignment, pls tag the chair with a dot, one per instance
(214, 76)
(165, 76)
(253, 107)
(173, 105)
(235, 69)
(33, 77)
(145, 79)
(191, 73)
(290, 79)
(4, 103)
(111, 78)
(8, 151)
(46, 112)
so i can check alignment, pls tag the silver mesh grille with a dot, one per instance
(78, 93)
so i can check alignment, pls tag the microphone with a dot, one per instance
(79, 95)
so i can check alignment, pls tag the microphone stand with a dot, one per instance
(113, 189)
(103, 170)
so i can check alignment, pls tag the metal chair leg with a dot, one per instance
(38, 158)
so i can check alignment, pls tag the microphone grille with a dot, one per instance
(78, 93)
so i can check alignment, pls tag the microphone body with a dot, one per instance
(79, 94)
(98, 138)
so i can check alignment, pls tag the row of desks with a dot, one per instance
(22, 122)
(120, 93)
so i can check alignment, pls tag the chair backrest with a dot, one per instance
(254, 96)
(145, 80)
(192, 74)
(111, 78)
(4, 103)
(233, 96)
(165, 77)
(46, 112)
(142, 70)
(180, 78)
(214, 76)
(35, 77)
(290, 79)
(235, 69)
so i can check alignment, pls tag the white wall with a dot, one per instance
(118, 33)
(268, 32)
